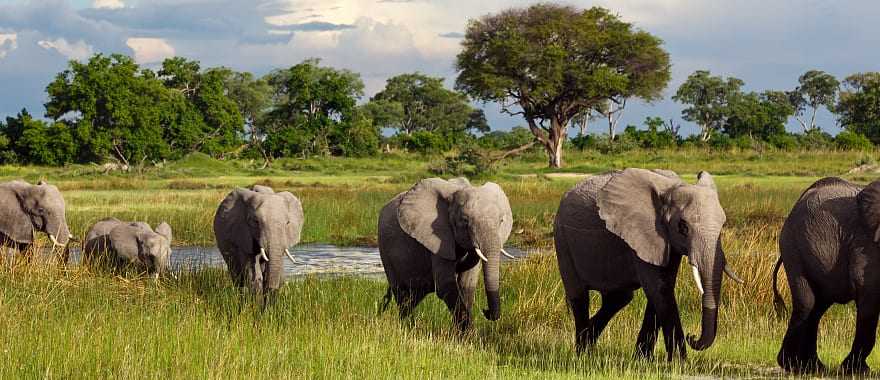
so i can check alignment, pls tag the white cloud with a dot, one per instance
(150, 50)
(108, 4)
(8, 43)
(79, 50)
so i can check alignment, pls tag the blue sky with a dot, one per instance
(768, 44)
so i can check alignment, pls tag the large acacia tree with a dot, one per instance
(550, 63)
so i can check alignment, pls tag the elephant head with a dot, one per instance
(658, 215)
(450, 217)
(151, 248)
(25, 208)
(869, 208)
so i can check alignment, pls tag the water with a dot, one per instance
(311, 259)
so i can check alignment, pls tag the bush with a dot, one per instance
(852, 141)
(784, 141)
(468, 163)
(422, 142)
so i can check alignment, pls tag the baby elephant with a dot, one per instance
(621, 231)
(829, 246)
(131, 244)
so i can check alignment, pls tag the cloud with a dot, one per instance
(8, 43)
(314, 26)
(451, 35)
(108, 4)
(79, 50)
(150, 50)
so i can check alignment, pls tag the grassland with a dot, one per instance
(73, 323)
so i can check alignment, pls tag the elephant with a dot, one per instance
(623, 230)
(829, 247)
(254, 229)
(434, 237)
(130, 244)
(25, 208)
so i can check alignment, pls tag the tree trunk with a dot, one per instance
(554, 143)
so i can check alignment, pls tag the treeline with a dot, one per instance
(110, 108)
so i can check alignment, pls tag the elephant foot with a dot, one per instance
(854, 367)
(795, 364)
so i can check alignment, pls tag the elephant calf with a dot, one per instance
(433, 238)
(254, 229)
(624, 230)
(130, 244)
(829, 246)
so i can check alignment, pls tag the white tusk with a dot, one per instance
(733, 276)
(263, 254)
(697, 280)
(54, 241)
(156, 276)
(70, 236)
(480, 253)
(290, 255)
(509, 256)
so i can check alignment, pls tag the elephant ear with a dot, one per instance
(630, 205)
(506, 214)
(869, 208)
(705, 179)
(164, 229)
(424, 215)
(15, 222)
(295, 217)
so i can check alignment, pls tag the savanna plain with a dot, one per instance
(73, 322)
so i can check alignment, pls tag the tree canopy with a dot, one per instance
(550, 62)
(859, 106)
(708, 100)
(816, 89)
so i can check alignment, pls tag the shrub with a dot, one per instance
(852, 141)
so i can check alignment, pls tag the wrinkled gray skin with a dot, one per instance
(251, 221)
(829, 246)
(25, 208)
(131, 244)
(428, 241)
(624, 230)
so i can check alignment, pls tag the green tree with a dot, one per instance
(31, 141)
(709, 100)
(858, 109)
(758, 116)
(816, 89)
(417, 102)
(311, 101)
(114, 108)
(550, 63)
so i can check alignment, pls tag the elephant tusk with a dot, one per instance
(290, 255)
(55, 242)
(156, 276)
(263, 254)
(509, 256)
(733, 276)
(480, 253)
(697, 279)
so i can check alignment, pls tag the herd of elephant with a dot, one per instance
(615, 233)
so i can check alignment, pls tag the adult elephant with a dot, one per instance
(25, 208)
(254, 229)
(829, 246)
(433, 238)
(130, 244)
(624, 230)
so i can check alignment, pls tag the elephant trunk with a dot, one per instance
(709, 272)
(273, 244)
(491, 279)
(58, 232)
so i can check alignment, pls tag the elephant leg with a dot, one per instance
(796, 342)
(612, 302)
(659, 287)
(446, 284)
(407, 299)
(580, 310)
(809, 347)
(648, 333)
(467, 286)
(866, 334)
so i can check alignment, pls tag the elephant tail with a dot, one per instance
(385, 301)
(778, 303)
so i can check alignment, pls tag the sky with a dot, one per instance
(768, 44)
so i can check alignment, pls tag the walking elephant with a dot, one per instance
(433, 238)
(255, 228)
(829, 247)
(130, 244)
(25, 208)
(624, 230)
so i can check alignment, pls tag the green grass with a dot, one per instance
(75, 323)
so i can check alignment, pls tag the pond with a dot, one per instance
(311, 259)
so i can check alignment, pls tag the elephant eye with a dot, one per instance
(41, 210)
(683, 227)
